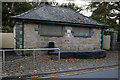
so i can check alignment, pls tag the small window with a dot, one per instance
(81, 32)
(51, 30)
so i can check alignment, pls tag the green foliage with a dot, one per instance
(14, 8)
(6, 28)
(72, 6)
(104, 11)
(29, 53)
(48, 3)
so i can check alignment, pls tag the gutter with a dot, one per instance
(102, 33)
(23, 37)
(58, 22)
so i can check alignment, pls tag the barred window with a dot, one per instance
(51, 30)
(81, 32)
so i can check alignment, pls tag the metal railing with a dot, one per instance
(43, 49)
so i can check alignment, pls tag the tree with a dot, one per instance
(106, 12)
(14, 8)
(72, 6)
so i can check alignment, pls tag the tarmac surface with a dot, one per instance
(93, 73)
(97, 74)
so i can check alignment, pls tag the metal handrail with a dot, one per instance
(3, 50)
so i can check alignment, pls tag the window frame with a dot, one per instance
(90, 33)
(54, 35)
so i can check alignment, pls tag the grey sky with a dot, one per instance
(80, 3)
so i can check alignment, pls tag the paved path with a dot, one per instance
(44, 64)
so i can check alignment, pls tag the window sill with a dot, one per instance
(83, 36)
(52, 35)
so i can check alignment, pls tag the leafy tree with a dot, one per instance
(14, 8)
(72, 6)
(106, 12)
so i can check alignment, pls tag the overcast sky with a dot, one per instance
(79, 3)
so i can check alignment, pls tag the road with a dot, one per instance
(108, 73)
(97, 74)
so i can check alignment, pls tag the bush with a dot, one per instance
(6, 29)
(29, 53)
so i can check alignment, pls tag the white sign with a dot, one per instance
(69, 31)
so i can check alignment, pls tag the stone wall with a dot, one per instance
(66, 43)
(114, 44)
(18, 35)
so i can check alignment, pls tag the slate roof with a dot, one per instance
(54, 13)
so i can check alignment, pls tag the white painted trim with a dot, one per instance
(14, 32)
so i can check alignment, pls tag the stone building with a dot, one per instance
(69, 30)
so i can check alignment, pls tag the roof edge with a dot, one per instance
(24, 13)
(57, 22)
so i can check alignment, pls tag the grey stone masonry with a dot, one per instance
(114, 36)
(18, 35)
(118, 46)
(67, 42)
